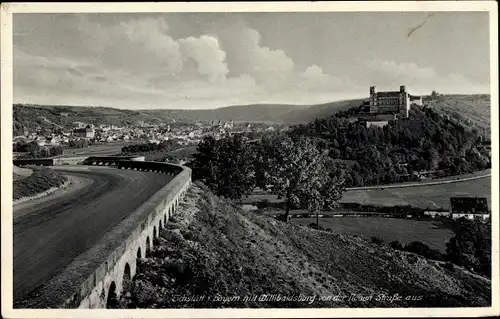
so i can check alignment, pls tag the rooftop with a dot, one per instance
(388, 94)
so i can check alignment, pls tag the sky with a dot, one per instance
(208, 60)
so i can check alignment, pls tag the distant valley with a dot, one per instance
(473, 110)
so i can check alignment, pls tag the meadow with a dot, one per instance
(389, 229)
(430, 196)
(98, 149)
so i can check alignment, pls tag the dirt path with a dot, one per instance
(447, 180)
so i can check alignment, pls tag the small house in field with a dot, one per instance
(436, 213)
(469, 207)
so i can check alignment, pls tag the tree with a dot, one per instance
(471, 245)
(236, 171)
(205, 160)
(226, 166)
(297, 171)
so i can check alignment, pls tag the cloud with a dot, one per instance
(419, 79)
(139, 46)
(406, 70)
(206, 51)
(313, 71)
(139, 63)
(246, 55)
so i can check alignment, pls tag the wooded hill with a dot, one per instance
(429, 140)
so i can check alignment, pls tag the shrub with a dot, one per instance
(417, 247)
(377, 240)
(262, 204)
(412, 259)
(435, 254)
(448, 266)
(424, 250)
(396, 245)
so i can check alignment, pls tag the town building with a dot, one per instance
(86, 132)
(469, 207)
(79, 124)
(417, 100)
(379, 120)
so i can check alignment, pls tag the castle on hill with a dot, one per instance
(386, 106)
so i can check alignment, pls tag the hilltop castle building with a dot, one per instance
(383, 107)
(390, 102)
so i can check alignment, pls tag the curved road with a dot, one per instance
(49, 234)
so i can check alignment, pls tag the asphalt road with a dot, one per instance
(49, 234)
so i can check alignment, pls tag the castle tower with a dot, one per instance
(404, 102)
(373, 100)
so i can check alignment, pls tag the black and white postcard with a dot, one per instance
(265, 159)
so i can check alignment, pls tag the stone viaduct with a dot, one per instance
(116, 254)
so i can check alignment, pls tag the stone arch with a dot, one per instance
(155, 236)
(103, 294)
(127, 279)
(159, 227)
(148, 246)
(112, 300)
(139, 253)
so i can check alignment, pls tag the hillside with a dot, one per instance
(240, 259)
(472, 110)
(476, 108)
(241, 113)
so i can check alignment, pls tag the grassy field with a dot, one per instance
(97, 149)
(212, 248)
(432, 196)
(389, 229)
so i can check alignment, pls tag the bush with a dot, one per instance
(78, 143)
(262, 204)
(377, 240)
(448, 266)
(396, 245)
(412, 259)
(417, 247)
(424, 250)
(435, 254)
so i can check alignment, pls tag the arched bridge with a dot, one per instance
(104, 270)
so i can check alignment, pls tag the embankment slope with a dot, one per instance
(213, 248)
(35, 183)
